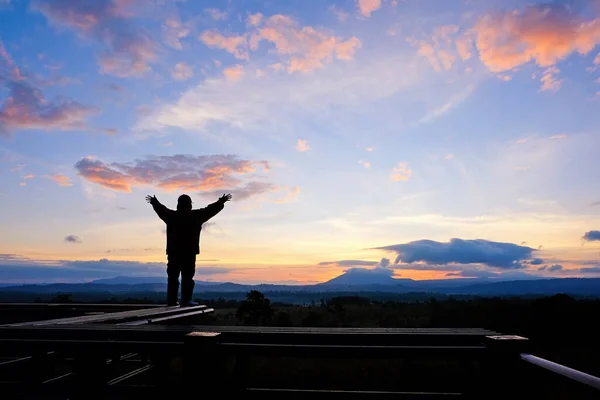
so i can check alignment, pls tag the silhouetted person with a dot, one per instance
(183, 242)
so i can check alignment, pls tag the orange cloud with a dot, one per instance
(308, 48)
(182, 71)
(203, 174)
(236, 45)
(366, 7)
(401, 172)
(302, 48)
(544, 34)
(234, 73)
(365, 164)
(302, 145)
(61, 180)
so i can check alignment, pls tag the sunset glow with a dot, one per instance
(420, 139)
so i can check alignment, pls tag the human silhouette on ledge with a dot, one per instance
(183, 242)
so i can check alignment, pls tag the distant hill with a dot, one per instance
(348, 282)
(138, 280)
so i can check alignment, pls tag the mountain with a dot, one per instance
(351, 281)
(361, 277)
(139, 280)
(130, 280)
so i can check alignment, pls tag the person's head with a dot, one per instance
(184, 203)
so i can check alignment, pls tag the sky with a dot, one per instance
(419, 139)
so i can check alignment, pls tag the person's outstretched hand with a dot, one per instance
(151, 199)
(225, 198)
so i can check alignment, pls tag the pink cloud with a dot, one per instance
(504, 41)
(173, 30)
(206, 175)
(304, 48)
(302, 145)
(255, 19)
(544, 34)
(366, 7)
(549, 80)
(234, 73)
(401, 172)
(26, 108)
(236, 45)
(59, 179)
(182, 71)
(128, 50)
(301, 48)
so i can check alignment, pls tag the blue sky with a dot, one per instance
(342, 129)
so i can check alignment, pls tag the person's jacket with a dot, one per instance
(183, 227)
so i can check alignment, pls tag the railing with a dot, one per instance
(567, 372)
(131, 353)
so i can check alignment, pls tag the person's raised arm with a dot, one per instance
(213, 209)
(162, 211)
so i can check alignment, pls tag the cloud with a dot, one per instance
(544, 34)
(72, 239)
(596, 203)
(561, 136)
(341, 15)
(25, 106)
(302, 145)
(173, 30)
(366, 7)
(591, 236)
(461, 251)
(365, 164)
(255, 19)
(234, 73)
(300, 48)
(18, 269)
(217, 14)
(588, 270)
(551, 268)
(182, 71)
(549, 80)
(234, 44)
(208, 175)
(290, 197)
(472, 273)
(264, 106)
(59, 179)
(350, 263)
(128, 50)
(401, 172)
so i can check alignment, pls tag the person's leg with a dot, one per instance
(188, 270)
(173, 270)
